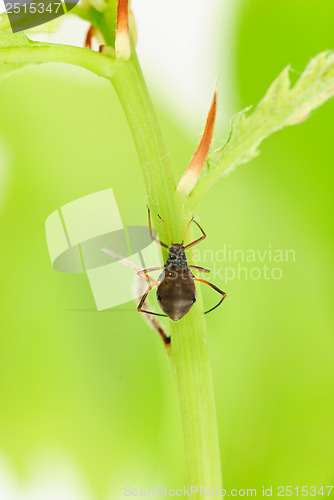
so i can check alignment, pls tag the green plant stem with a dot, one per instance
(192, 367)
(188, 336)
(132, 92)
(189, 353)
(39, 53)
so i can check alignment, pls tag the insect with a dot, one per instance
(176, 293)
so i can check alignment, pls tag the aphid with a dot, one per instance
(176, 293)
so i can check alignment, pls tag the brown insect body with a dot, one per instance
(176, 292)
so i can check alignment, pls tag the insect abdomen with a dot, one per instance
(176, 293)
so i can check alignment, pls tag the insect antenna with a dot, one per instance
(170, 236)
(185, 234)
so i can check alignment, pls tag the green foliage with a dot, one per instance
(280, 107)
(64, 380)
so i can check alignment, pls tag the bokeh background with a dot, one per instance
(88, 400)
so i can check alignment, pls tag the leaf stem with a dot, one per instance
(188, 336)
(192, 367)
(38, 53)
(132, 92)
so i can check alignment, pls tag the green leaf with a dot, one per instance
(280, 107)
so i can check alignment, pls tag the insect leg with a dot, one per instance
(199, 239)
(145, 271)
(217, 290)
(149, 278)
(200, 269)
(151, 234)
(154, 314)
(141, 303)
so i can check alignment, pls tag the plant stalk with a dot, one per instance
(188, 336)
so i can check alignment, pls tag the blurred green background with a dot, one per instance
(95, 390)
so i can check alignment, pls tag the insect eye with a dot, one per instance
(194, 300)
(159, 297)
